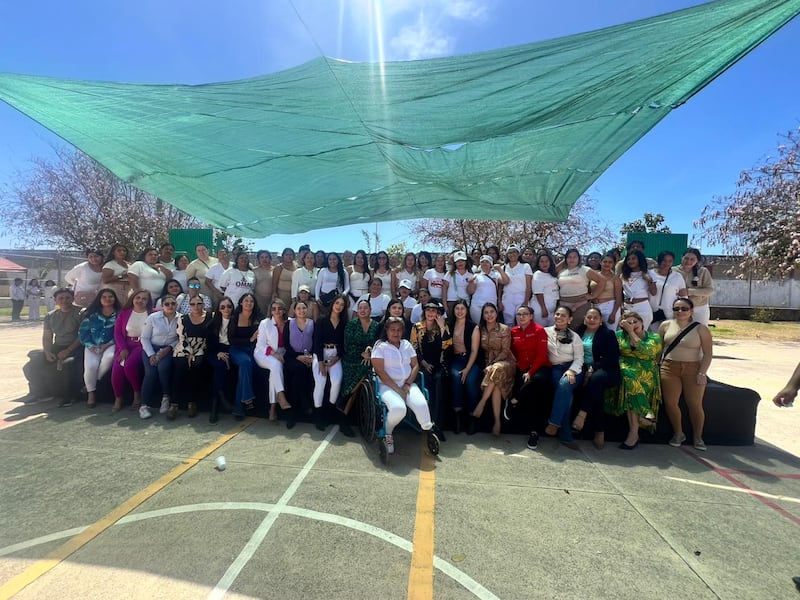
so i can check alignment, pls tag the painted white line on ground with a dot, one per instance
(224, 584)
(442, 565)
(730, 488)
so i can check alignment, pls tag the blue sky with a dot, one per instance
(694, 154)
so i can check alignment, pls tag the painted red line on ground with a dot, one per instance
(749, 490)
(761, 473)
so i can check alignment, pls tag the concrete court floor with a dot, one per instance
(304, 514)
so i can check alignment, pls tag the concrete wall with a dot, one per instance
(732, 292)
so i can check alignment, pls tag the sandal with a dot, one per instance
(551, 429)
(579, 422)
(248, 404)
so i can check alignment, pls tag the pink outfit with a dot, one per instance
(133, 371)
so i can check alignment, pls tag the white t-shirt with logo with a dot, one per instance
(236, 283)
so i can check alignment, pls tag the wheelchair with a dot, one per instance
(372, 416)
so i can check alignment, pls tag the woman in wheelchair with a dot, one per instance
(395, 364)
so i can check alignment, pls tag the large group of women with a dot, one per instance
(622, 334)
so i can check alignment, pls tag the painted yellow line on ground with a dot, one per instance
(420, 577)
(32, 573)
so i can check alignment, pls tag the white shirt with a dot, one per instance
(486, 288)
(457, 287)
(214, 273)
(303, 276)
(434, 279)
(516, 278)
(396, 361)
(149, 278)
(546, 285)
(236, 283)
(83, 279)
(378, 305)
(328, 281)
(670, 286)
(158, 331)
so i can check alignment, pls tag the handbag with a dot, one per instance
(327, 298)
(660, 315)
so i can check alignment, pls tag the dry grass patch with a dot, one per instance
(779, 331)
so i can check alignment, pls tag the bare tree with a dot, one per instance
(74, 202)
(581, 230)
(761, 220)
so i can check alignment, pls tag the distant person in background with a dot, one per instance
(263, 285)
(166, 254)
(785, 398)
(698, 282)
(34, 295)
(179, 272)
(49, 290)
(86, 278)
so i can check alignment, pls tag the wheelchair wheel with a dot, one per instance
(367, 411)
(433, 442)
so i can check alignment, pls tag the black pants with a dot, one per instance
(434, 387)
(535, 398)
(16, 309)
(188, 380)
(46, 379)
(299, 383)
(592, 398)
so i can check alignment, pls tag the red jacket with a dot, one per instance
(530, 347)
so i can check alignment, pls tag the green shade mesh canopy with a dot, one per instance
(516, 133)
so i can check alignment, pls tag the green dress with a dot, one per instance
(355, 341)
(640, 386)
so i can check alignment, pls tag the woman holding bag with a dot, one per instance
(686, 360)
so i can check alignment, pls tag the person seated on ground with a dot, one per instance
(193, 287)
(498, 374)
(639, 392)
(312, 306)
(404, 295)
(299, 381)
(600, 372)
(242, 335)
(431, 339)
(360, 336)
(529, 345)
(127, 365)
(395, 364)
(785, 398)
(378, 301)
(159, 337)
(188, 358)
(62, 346)
(269, 354)
(687, 355)
(328, 352)
(462, 362)
(172, 287)
(219, 358)
(565, 352)
(96, 333)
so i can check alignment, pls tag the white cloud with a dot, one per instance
(428, 35)
(421, 40)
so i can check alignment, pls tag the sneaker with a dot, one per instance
(144, 412)
(164, 405)
(699, 444)
(389, 441)
(65, 402)
(533, 440)
(677, 440)
(508, 409)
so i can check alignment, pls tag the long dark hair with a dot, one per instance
(696, 252)
(451, 318)
(626, 270)
(343, 314)
(96, 307)
(216, 320)
(365, 266)
(339, 270)
(113, 249)
(165, 289)
(552, 270)
(255, 316)
(489, 305)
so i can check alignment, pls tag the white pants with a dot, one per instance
(605, 309)
(511, 302)
(95, 366)
(547, 321)
(396, 407)
(275, 368)
(644, 310)
(33, 309)
(702, 314)
(335, 374)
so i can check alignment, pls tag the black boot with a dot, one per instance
(472, 426)
(457, 422)
(344, 426)
(213, 415)
(319, 418)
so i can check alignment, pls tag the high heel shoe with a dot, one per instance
(551, 429)
(579, 422)
(624, 446)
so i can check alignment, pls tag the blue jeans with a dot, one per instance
(471, 385)
(562, 401)
(161, 372)
(243, 358)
